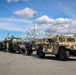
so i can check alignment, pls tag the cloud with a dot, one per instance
(50, 26)
(8, 1)
(61, 27)
(14, 19)
(12, 1)
(26, 0)
(16, 0)
(25, 13)
(15, 24)
(44, 20)
(47, 20)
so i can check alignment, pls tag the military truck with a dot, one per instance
(16, 45)
(61, 46)
(1, 46)
(30, 46)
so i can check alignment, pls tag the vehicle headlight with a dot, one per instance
(74, 47)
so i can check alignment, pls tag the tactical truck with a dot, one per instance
(60, 45)
(16, 45)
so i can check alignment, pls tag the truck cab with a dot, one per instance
(16, 45)
(61, 46)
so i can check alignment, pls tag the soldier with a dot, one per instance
(4, 48)
(7, 46)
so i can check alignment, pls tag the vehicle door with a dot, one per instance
(55, 45)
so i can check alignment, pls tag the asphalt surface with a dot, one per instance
(21, 64)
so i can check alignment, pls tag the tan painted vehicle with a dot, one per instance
(59, 45)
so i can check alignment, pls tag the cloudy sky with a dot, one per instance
(51, 17)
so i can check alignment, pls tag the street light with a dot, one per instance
(8, 34)
(28, 34)
(34, 26)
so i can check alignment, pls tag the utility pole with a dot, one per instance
(34, 26)
(8, 35)
(27, 34)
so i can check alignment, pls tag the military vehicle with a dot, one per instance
(60, 46)
(30, 46)
(16, 45)
(1, 46)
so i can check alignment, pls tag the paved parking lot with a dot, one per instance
(21, 64)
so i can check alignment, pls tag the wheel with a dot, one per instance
(11, 50)
(19, 51)
(4, 49)
(23, 50)
(29, 50)
(56, 55)
(15, 49)
(63, 54)
(41, 53)
(37, 52)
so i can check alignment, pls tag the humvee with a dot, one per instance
(33, 45)
(60, 46)
(1, 46)
(30, 46)
(16, 45)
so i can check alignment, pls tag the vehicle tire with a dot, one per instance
(41, 53)
(37, 52)
(4, 49)
(19, 50)
(56, 55)
(63, 54)
(29, 50)
(10, 49)
(15, 49)
(23, 50)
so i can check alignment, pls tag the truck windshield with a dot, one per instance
(62, 39)
(14, 40)
(70, 40)
(19, 40)
(50, 40)
(21, 43)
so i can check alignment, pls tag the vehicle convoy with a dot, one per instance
(15, 45)
(61, 46)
